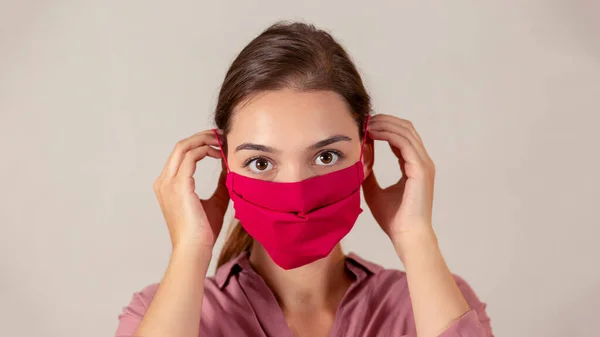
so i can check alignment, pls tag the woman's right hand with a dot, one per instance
(191, 220)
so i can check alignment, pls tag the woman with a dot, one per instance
(296, 143)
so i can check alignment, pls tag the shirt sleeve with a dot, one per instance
(475, 322)
(132, 315)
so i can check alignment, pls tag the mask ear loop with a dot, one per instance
(221, 148)
(364, 140)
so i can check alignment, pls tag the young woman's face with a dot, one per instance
(288, 136)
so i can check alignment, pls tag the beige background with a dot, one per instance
(94, 94)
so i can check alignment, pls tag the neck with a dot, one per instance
(320, 285)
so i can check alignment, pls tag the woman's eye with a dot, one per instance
(260, 165)
(327, 158)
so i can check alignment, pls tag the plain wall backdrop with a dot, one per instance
(94, 95)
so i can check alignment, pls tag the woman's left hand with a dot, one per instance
(403, 210)
(405, 207)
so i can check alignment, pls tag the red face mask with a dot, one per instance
(298, 222)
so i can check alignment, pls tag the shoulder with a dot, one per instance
(141, 299)
(395, 283)
(384, 293)
(392, 284)
(469, 294)
(132, 314)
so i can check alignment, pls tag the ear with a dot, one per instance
(368, 157)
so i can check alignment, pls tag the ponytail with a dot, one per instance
(237, 242)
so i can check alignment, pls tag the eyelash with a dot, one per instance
(251, 159)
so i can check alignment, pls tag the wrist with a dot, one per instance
(415, 243)
(194, 250)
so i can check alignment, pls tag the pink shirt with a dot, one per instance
(237, 302)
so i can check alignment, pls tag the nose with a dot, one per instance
(293, 173)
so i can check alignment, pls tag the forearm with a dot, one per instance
(176, 307)
(436, 299)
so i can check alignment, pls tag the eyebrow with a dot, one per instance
(255, 147)
(329, 141)
(317, 145)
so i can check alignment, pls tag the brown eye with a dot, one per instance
(260, 165)
(326, 158)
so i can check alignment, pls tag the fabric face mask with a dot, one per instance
(298, 222)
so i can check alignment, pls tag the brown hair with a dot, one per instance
(287, 55)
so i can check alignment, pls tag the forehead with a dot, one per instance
(291, 116)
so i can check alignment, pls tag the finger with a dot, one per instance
(183, 146)
(407, 150)
(401, 161)
(188, 165)
(403, 131)
(400, 122)
(163, 173)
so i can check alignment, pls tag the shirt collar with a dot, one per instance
(358, 266)
(354, 261)
(231, 267)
